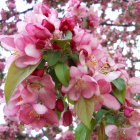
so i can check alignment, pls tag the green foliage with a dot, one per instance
(41, 65)
(120, 89)
(63, 73)
(80, 132)
(99, 115)
(52, 57)
(84, 109)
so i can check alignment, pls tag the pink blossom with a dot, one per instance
(67, 24)
(85, 41)
(79, 84)
(93, 18)
(41, 9)
(115, 133)
(105, 97)
(39, 88)
(111, 131)
(135, 117)
(37, 116)
(134, 85)
(38, 32)
(24, 47)
(3, 128)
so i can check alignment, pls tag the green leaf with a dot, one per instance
(41, 65)
(63, 73)
(85, 22)
(14, 77)
(74, 57)
(84, 109)
(120, 95)
(80, 132)
(99, 115)
(101, 132)
(70, 101)
(52, 57)
(110, 119)
(119, 84)
(120, 90)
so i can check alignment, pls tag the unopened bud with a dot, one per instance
(48, 25)
(67, 118)
(38, 72)
(59, 105)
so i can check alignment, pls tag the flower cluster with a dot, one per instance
(61, 71)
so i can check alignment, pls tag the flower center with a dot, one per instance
(19, 98)
(105, 69)
(92, 61)
(16, 53)
(79, 84)
(33, 114)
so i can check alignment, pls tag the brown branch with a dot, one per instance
(18, 13)
(118, 25)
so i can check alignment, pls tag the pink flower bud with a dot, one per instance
(127, 111)
(38, 72)
(48, 25)
(45, 10)
(67, 118)
(38, 32)
(67, 24)
(59, 105)
(11, 5)
(40, 44)
(56, 46)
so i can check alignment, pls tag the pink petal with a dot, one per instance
(90, 87)
(68, 88)
(28, 97)
(51, 117)
(8, 42)
(48, 98)
(134, 81)
(105, 87)
(111, 130)
(25, 61)
(40, 109)
(38, 32)
(31, 50)
(48, 82)
(113, 75)
(26, 114)
(110, 102)
(74, 94)
(21, 26)
(75, 72)
(39, 123)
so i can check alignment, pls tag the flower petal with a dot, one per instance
(110, 102)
